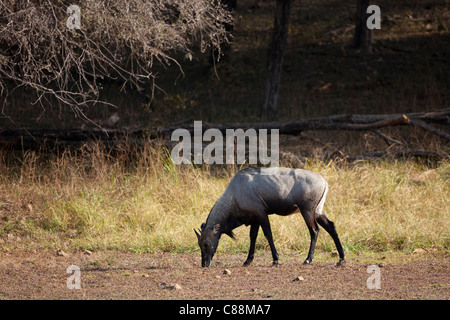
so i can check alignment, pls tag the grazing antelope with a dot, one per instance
(252, 195)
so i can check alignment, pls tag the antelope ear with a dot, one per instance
(203, 226)
(216, 228)
(198, 234)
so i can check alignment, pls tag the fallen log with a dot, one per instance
(28, 138)
(339, 122)
(416, 153)
(427, 127)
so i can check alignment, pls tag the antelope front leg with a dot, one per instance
(253, 235)
(265, 225)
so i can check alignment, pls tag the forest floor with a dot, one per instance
(115, 275)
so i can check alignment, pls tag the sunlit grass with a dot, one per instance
(94, 200)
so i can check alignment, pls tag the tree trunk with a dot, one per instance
(275, 60)
(363, 35)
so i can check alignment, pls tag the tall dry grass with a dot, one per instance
(139, 201)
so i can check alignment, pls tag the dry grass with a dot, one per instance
(94, 199)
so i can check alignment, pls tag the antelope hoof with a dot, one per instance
(340, 263)
(247, 263)
(306, 262)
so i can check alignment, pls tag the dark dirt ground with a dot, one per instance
(114, 275)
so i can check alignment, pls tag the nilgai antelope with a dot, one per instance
(252, 195)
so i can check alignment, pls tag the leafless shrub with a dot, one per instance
(118, 39)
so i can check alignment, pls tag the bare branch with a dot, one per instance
(118, 40)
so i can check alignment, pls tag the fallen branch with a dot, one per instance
(427, 127)
(22, 139)
(417, 153)
(339, 122)
(390, 141)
